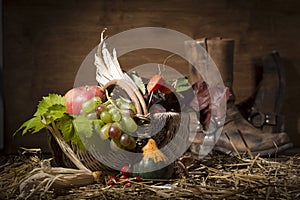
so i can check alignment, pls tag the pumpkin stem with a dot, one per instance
(150, 150)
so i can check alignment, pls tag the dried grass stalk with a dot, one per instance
(214, 177)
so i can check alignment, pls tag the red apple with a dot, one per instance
(77, 96)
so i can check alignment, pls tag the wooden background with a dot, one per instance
(46, 41)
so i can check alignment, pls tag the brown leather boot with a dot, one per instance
(266, 108)
(238, 135)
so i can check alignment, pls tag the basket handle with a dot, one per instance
(133, 93)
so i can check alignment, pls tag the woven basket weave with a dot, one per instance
(164, 125)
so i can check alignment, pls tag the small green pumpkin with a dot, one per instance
(153, 158)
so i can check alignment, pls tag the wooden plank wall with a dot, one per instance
(46, 41)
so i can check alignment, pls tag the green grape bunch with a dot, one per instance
(115, 121)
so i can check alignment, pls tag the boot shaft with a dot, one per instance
(221, 51)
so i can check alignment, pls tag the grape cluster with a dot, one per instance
(115, 121)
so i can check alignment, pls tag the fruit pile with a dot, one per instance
(113, 118)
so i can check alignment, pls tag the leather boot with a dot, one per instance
(238, 135)
(264, 111)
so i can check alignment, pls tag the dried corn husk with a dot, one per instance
(46, 177)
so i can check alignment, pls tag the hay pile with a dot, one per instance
(214, 177)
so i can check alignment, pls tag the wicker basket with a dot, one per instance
(162, 127)
(165, 125)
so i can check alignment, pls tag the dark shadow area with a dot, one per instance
(291, 108)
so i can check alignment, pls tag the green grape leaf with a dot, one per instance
(70, 127)
(66, 127)
(181, 84)
(51, 107)
(49, 101)
(138, 82)
(32, 125)
(54, 112)
(83, 126)
(77, 140)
